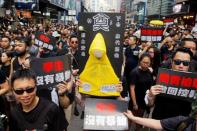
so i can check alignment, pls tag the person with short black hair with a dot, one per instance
(6, 62)
(141, 79)
(32, 112)
(22, 59)
(5, 44)
(170, 107)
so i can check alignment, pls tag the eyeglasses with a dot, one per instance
(76, 42)
(28, 90)
(178, 62)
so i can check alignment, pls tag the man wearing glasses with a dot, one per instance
(32, 112)
(169, 107)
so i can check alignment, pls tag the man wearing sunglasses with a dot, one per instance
(31, 112)
(170, 107)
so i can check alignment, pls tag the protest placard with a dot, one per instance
(51, 71)
(105, 114)
(180, 85)
(45, 41)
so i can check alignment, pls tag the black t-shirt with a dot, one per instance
(169, 107)
(6, 70)
(16, 64)
(131, 59)
(44, 117)
(46, 93)
(142, 81)
(171, 124)
(165, 53)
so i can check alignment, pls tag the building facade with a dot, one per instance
(157, 9)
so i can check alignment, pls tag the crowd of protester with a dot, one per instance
(28, 107)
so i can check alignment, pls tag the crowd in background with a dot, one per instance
(142, 59)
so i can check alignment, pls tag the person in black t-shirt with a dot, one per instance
(6, 62)
(165, 107)
(32, 112)
(141, 80)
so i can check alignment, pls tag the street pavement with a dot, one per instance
(76, 122)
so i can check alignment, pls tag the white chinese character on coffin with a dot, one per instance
(83, 41)
(83, 35)
(101, 21)
(117, 36)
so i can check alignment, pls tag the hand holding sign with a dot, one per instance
(119, 87)
(155, 90)
(62, 88)
(129, 115)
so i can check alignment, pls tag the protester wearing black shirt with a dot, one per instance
(166, 107)
(141, 80)
(32, 113)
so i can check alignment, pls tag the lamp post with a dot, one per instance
(160, 9)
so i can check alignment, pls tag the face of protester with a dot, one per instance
(5, 43)
(7, 34)
(74, 43)
(178, 61)
(190, 45)
(132, 41)
(169, 41)
(25, 91)
(151, 52)
(5, 58)
(20, 48)
(145, 63)
(176, 37)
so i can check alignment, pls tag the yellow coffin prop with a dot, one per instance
(98, 77)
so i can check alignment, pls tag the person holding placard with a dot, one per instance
(169, 107)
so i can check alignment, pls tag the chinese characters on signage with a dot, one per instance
(42, 40)
(104, 114)
(51, 70)
(153, 34)
(111, 26)
(181, 85)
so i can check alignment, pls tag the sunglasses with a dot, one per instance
(74, 42)
(28, 90)
(178, 62)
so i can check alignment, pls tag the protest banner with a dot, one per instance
(45, 41)
(51, 71)
(105, 114)
(180, 85)
(168, 22)
(153, 34)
